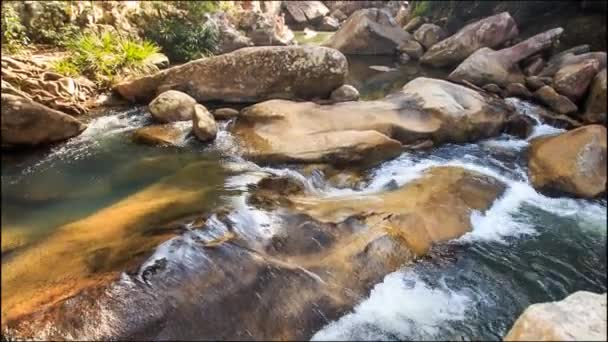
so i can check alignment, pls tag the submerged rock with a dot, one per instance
(368, 131)
(248, 75)
(345, 93)
(369, 32)
(203, 124)
(595, 105)
(164, 135)
(28, 123)
(489, 32)
(171, 106)
(327, 255)
(573, 162)
(579, 317)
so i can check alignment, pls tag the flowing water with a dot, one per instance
(526, 248)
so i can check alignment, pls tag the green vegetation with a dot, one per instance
(421, 8)
(104, 56)
(52, 24)
(13, 32)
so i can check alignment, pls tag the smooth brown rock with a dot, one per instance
(429, 35)
(579, 317)
(164, 135)
(501, 67)
(573, 80)
(555, 101)
(203, 124)
(518, 90)
(248, 75)
(25, 122)
(492, 88)
(172, 106)
(368, 131)
(369, 32)
(595, 105)
(414, 24)
(573, 162)
(535, 82)
(554, 65)
(520, 126)
(489, 32)
(412, 48)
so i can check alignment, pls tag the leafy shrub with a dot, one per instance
(106, 57)
(51, 24)
(421, 8)
(13, 32)
(181, 28)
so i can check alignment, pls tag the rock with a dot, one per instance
(404, 58)
(338, 15)
(554, 65)
(573, 162)
(299, 14)
(518, 90)
(576, 50)
(329, 24)
(256, 74)
(595, 105)
(412, 48)
(520, 126)
(28, 123)
(535, 82)
(573, 80)
(163, 135)
(172, 105)
(579, 317)
(230, 38)
(369, 32)
(555, 101)
(534, 66)
(265, 29)
(158, 59)
(429, 35)
(426, 109)
(203, 124)
(414, 24)
(492, 88)
(225, 113)
(489, 32)
(345, 93)
(501, 67)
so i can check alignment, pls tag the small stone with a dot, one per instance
(555, 101)
(225, 113)
(492, 88)
(535, 82)
(162, 135)
(412, 48)
(345, 93)
(172, 105)
(203, 124)
(518, 90)
(404, 58)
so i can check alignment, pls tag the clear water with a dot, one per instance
(526, 248)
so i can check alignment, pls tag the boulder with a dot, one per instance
(520, 126)
(163, 135)
(203, 124)
(338, 15)
(345, 93)
(595, 105)
(265, 29)
(299, 14)
(518, 90)
(573, 80)
(172, 105)
(501, 67)
(158, 59)
(555, 64)
(25, 122)
(534, 82)
(248, 75)
(490, 32)
(534, 66)
(225, 113)
(229, 38)
(559, 103)
(573, 162)
(426, 110)
(579, 317)
(330, 24)
(414, 24)
(369, 32)
(429, 35)
(412, 48)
